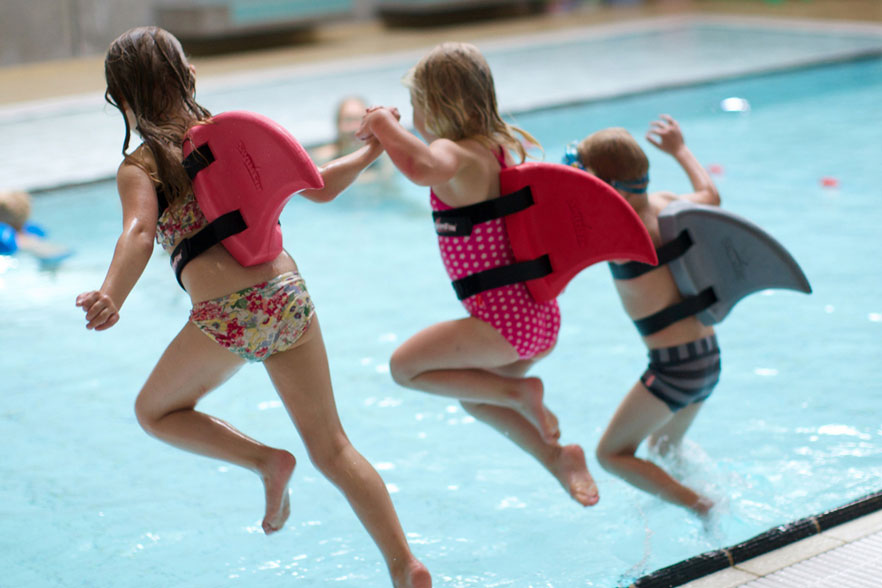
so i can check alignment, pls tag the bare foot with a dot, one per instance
(415, 575)
(276, 473)
(530, 405)
(703, 506)
(571, 471)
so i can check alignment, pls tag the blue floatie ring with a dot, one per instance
(8, 245)
(33, 229)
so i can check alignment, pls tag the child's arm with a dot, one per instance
(133, 249)
(424, 165)
(341, 172)
(670, 140)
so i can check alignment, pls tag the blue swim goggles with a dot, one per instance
(636, 186)
(571, 156)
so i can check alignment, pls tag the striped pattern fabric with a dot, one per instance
(683, 374)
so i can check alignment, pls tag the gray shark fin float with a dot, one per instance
(717, 258)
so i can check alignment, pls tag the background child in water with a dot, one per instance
(350, 112)
(17, 233)
(684, 357)
(481, 359)
(150, 81)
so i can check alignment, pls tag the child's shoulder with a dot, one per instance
(661, 199)
(141, 158)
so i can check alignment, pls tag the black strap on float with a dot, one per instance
(224, 226)
(213, 233)
(667, 253)
(689, 306)
(459, 222)
(505, 275)
(200, 158)
(670, 315)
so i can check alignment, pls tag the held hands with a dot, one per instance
(670, 138)
(101, 311)
(364, 131)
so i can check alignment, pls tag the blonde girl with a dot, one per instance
(150, 81)
(481, 359)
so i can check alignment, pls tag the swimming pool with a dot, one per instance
(566, 66)
(88, 499)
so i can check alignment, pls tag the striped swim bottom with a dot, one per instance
(683, 374)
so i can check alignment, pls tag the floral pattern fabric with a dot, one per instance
(258, 321)
(179, 219)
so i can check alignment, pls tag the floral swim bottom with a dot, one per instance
(258, 321)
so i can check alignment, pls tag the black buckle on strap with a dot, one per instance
(458, 222)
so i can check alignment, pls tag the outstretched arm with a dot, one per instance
(341, 172)
(666, 135)
(422, 164)
(133, 249)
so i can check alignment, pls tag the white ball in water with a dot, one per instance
(735, 104)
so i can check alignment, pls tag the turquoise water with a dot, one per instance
(88, 499)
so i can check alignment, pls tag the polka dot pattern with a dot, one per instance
(531, 327)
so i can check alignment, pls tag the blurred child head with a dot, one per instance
(613, 156)
(15, 208)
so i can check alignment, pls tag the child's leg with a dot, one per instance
(639, 414)
(461, 359)
(565, 463)
(303, 380)
(671, 434)
(192, 366)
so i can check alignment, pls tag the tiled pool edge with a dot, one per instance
(723, 561)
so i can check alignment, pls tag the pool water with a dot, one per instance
(88, 499)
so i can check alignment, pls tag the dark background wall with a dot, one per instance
(43, 30)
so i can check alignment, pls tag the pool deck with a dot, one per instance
(56, 79)
(847, 555)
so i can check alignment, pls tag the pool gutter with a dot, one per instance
(711, 562)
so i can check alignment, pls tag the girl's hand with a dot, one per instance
(101, 311)
(670, 138)
(364, 131)
(375, 148)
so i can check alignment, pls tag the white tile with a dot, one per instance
(796, 552)
(856, 529)
(853, 565)
(728, 578)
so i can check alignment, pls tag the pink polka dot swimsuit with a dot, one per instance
(531, 327)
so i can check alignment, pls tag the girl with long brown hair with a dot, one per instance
(256, 313)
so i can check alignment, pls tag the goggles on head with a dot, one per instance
(571, 155)
(636, 186)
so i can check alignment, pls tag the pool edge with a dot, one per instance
(727, 558)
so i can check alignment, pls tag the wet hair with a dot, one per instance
(613, 156)
(146, 69)
(15, 208)
(454, 88)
